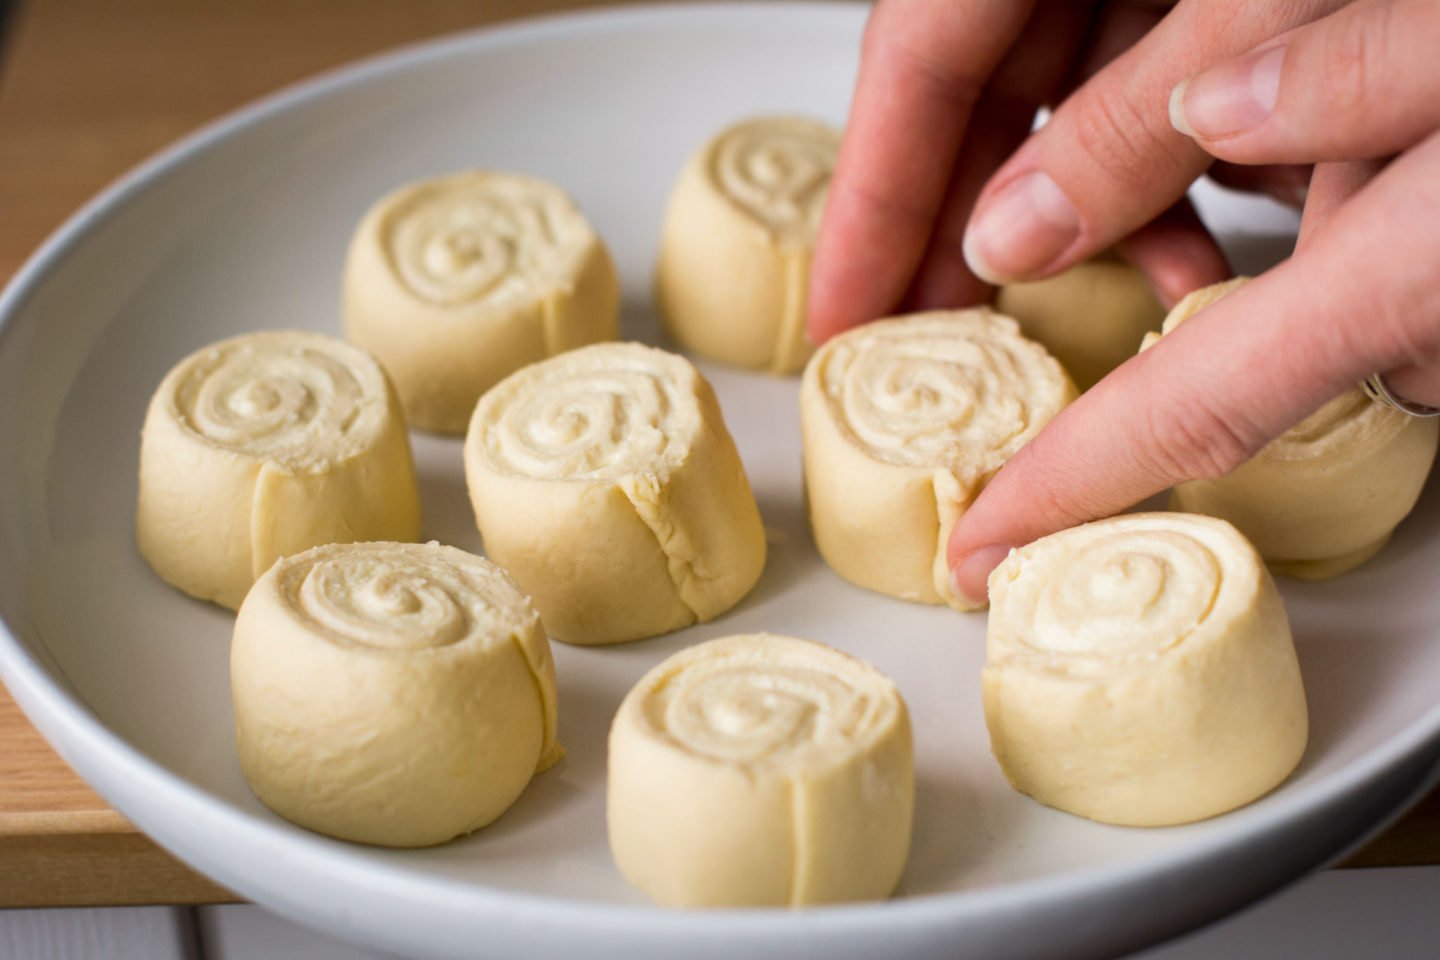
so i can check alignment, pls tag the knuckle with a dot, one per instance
(1193, 442)
(1354, 55)
(915, 43)
(1062, 508)
(898, 207)
(1049, 491)
(1119, 139)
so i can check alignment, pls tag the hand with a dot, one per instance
(948, 89)
(1357, 91)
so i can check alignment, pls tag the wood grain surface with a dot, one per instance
(88, 88)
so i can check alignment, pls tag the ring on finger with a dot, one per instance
(1378, 390)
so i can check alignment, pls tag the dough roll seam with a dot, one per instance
(761, 770)
(671, 539)
(792, 342)
(605, 481)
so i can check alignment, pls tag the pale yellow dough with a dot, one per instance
(265, 445)
(1091, 317)
(1140, 671)
(905, 421)
(761, 771)
(605, 481)
(388, 693)
(457, 282)
(733, 276)
(1326, 495)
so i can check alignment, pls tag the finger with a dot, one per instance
(1336, 183)
(942, 278)
(923, 65)
(1359, 83)
(1176, 253)
(1289, 183)
(1417, 384)
(1109, 160)
(1029, 76)
(1120, 25)
(1333, 184)
(1237, 375)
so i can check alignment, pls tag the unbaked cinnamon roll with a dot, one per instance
(734, 270)
(1140, 671)
(457, 282)
(388, 693)
(905, 420)
(1091, 317)
(761, 771)
(605, 481)
(264, 445)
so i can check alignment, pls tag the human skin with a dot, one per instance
(938, 161)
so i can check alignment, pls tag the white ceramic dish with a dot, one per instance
(244, 225)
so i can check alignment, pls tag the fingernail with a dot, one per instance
(1021, 230)
(969, 576)
(1228, 99)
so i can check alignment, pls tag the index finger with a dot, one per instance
(1331, 184)
(923, 66)
(1243, 371)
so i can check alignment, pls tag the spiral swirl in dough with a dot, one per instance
(265, 445)
(605, 481)
(1135, 593)
(905, 421)
(291, 399)
(469, 239)
(770, 703)
(1326, 495)
(761, 770)
(458, 281)
(733, 275)
(1140, 671)
(604, 415)
(402, 599)
(398, 694)
(777, 169)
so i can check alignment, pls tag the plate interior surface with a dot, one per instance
(249, 232)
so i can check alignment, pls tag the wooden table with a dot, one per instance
(88, 88)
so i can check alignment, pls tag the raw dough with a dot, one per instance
(1091, 317)
(905, 421)
(388, 693)
(734, 270)
(605, 481)
(1325, 496)
(1140, 671)
(457, 282)
(265, 445)
(761, 771)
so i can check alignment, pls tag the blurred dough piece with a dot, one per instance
(457, 282)
(1140, 671)
(605, 481)
(1325, 496)
(387, 693)
(905, 421)
(734, 270)
(264, 445)
(1091, 317)
(761, 771)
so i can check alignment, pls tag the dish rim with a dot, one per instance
(91, 747)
